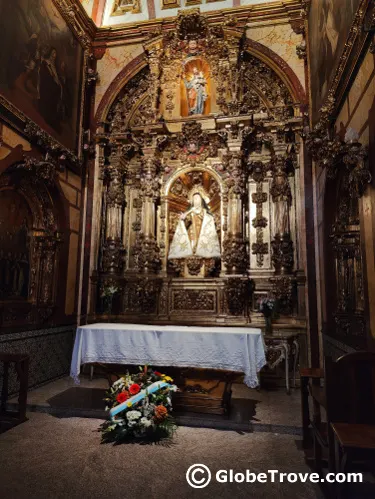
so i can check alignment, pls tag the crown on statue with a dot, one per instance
(199, 190)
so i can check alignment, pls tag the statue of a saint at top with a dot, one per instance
(196, 92)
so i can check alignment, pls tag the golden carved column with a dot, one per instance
(234, 248)
(154, 51)
(113, 249)
(146, 250)
(282, 244)
(148, 259)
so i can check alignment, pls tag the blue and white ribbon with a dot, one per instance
(130, 402)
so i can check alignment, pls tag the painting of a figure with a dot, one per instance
(195, 90)
(329, 26)
(41, 66)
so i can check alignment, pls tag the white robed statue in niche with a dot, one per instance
(196, 232)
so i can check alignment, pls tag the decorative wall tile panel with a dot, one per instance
(50, 353)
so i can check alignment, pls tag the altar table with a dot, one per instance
(229, 348)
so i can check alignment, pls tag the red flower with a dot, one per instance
(134, 388)
(160, 413)
(157, 373)
(122, 396)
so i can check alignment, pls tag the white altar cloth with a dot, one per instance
(229, 348)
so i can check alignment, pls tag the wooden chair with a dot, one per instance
(348, 396)
(353, 442)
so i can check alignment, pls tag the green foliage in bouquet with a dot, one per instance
(145, 416)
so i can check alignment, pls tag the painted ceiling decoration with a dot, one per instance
(116, 12)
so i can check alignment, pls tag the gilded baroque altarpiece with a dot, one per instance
(199, 189)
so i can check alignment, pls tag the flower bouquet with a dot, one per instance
(139, 407)
(267, 306)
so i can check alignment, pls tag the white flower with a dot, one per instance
(145, 422)
(173, 388)
(133, 415)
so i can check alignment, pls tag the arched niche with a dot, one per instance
(177, 200)
(180, 192)
(16, 221)
(32, 227)
(195, 87)
(344, 289)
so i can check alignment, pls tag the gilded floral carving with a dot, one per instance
(335, 154)
(190, 299)
(237, 296)
(259, 248)
(235, 254)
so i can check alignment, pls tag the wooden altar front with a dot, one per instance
(205, 391)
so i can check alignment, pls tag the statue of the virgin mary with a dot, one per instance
(196, 232)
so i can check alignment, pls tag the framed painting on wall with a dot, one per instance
(41, 65)
(329, 26)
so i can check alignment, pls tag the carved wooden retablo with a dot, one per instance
(199, 157)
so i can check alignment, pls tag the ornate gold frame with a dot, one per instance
(358, 39)
(189, 3)
(174, 4)
(119, 10)
(76, 18)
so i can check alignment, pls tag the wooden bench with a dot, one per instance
(8, 419)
